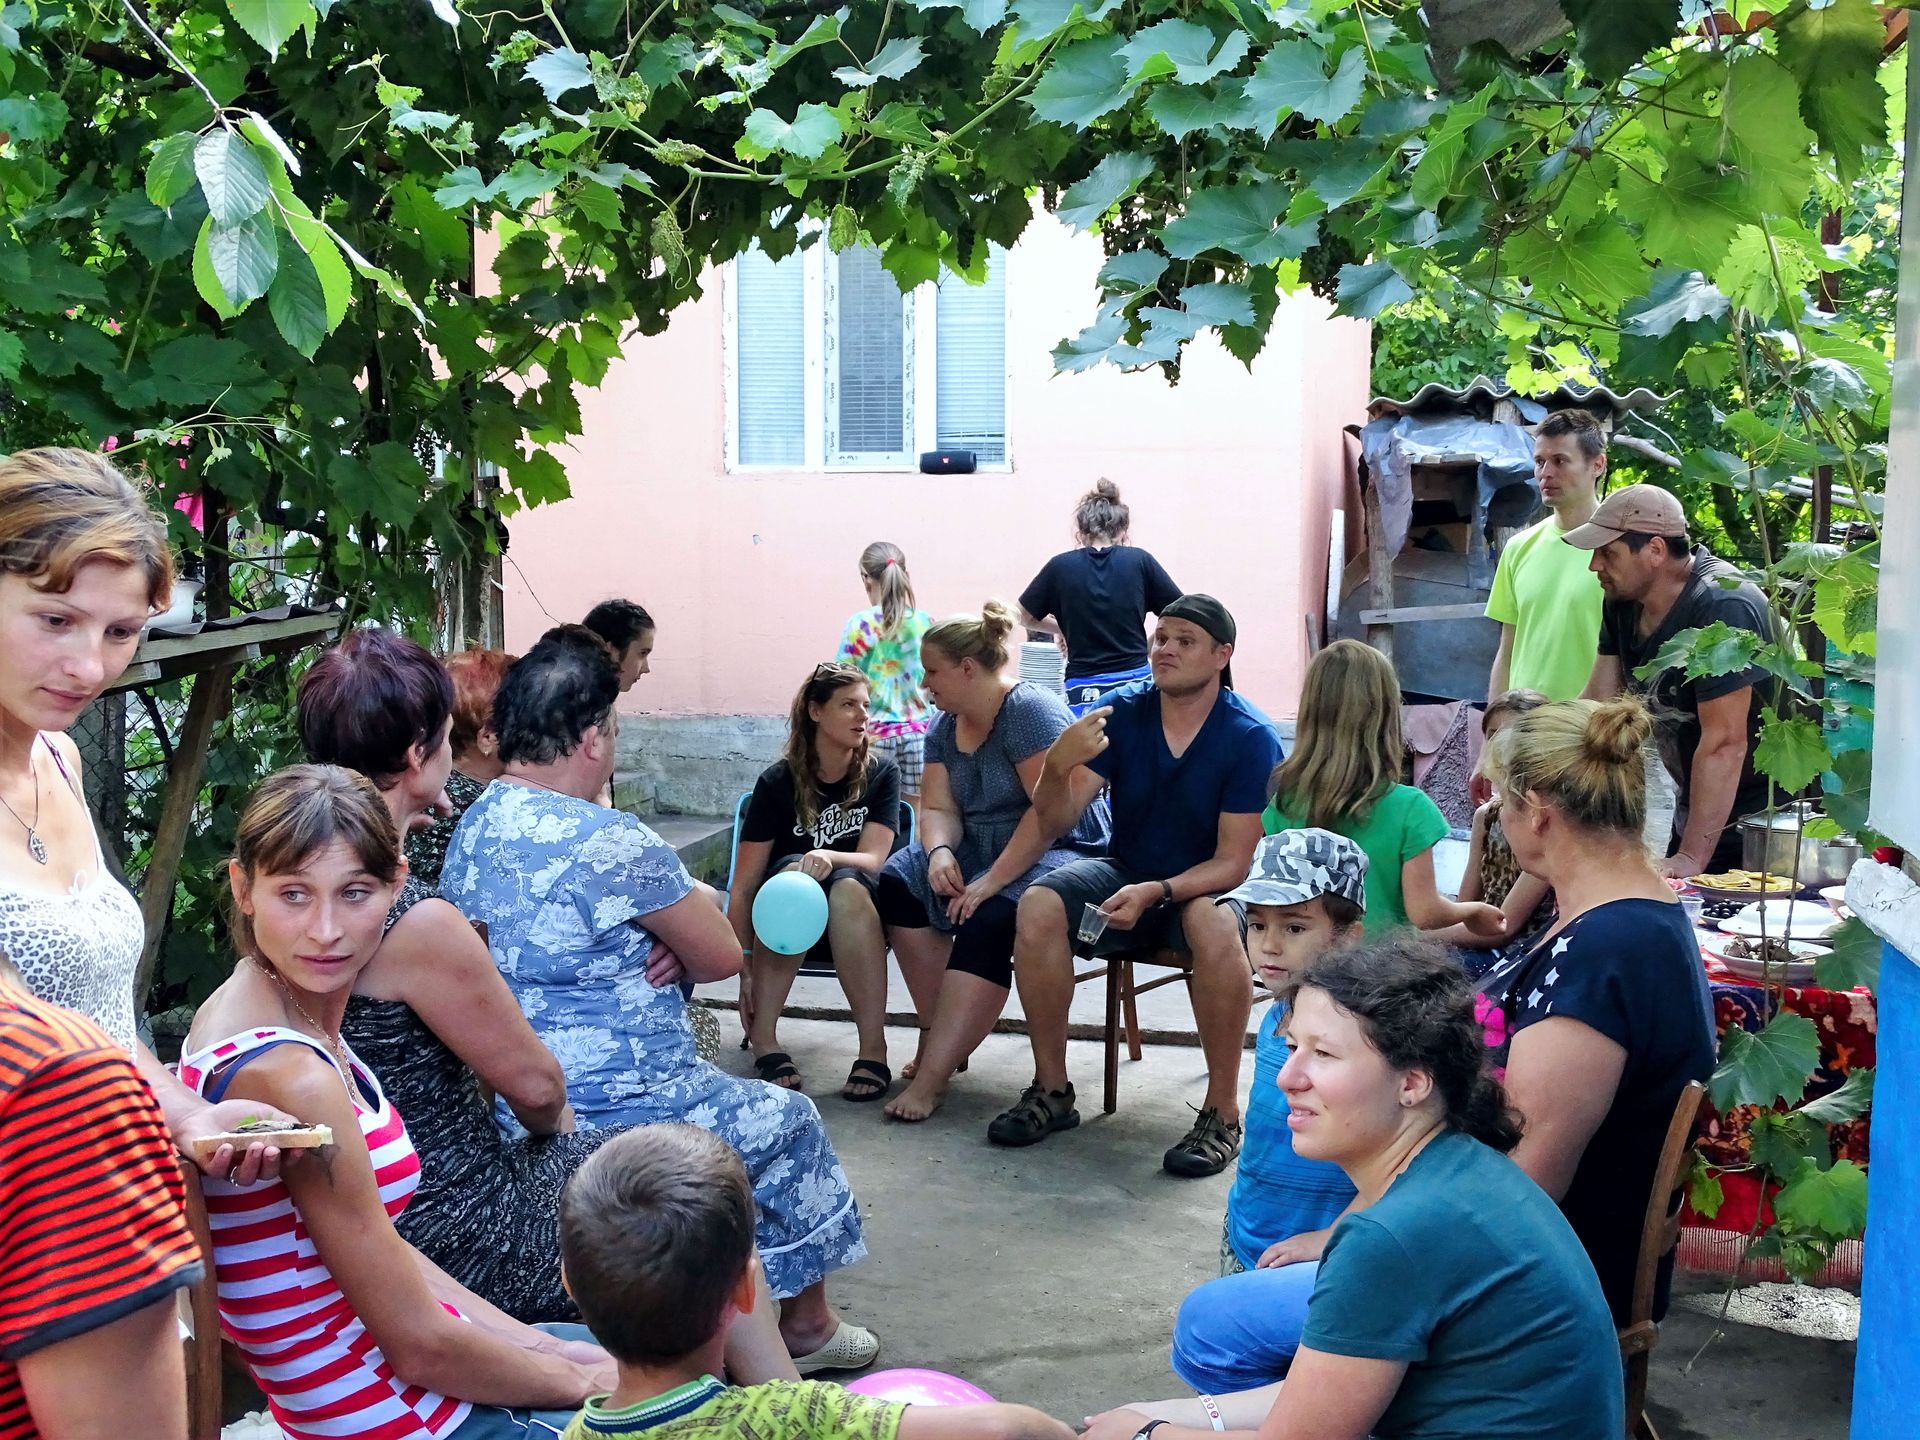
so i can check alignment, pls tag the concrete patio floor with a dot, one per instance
(1051, 1275)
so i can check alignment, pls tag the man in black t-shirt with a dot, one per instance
(1657, 585)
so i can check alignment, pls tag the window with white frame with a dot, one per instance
(830, 366)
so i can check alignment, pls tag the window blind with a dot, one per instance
(873, 393)
(971, 325)
(770, 358)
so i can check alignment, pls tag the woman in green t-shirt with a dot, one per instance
(1344, 775)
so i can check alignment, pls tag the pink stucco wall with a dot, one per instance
(1232, 478)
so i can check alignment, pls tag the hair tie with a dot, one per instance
(893, 562)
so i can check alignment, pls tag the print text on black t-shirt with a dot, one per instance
(773, 817)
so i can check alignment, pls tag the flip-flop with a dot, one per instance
(849, 1348)
(872, 1076)
(776, 1067)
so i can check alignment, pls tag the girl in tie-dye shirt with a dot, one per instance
(883, 641)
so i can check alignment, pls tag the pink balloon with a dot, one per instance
(919, 1387)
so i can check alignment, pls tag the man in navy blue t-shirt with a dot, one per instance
(1188, 762)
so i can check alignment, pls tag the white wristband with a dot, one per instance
(1213, 1413)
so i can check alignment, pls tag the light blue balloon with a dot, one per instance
(790, 913)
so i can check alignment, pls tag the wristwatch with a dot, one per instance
(1152, 1425)
(1166, 892)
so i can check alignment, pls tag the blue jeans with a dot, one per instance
(1240, 1332)
(497, 1422)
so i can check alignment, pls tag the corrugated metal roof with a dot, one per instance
(1641, 401)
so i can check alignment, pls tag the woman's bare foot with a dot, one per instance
(912, 1068)
(917, 1101)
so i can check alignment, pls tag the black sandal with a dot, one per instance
(871, 1076)
(776, 1067)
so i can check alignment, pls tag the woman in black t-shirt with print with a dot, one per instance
(1602, 1023)
(828, 807)
(1098, 596)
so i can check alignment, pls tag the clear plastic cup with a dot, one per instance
(1093, 924)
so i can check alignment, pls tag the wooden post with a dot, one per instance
(1379, 573)
(212, 691)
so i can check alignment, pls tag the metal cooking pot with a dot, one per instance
(1778, 848)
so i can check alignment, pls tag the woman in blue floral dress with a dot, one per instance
(576, 898)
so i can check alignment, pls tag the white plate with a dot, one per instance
(1798, 971)
(1785, 919)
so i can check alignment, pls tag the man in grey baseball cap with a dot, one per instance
(1656, 585)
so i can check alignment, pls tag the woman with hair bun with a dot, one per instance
(1098, 596)
(1454, 1299)
(949, 900)
(1604, 1020)
(883, 643)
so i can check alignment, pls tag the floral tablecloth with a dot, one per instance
(1846, 1020)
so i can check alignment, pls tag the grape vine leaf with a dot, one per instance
(1676, 298)
(1085, 81)
(1716, 649)
(1852, 959)
(1790, 751)
(1759, 1068)
(813, 129)
(1246, 220)
(1849, 1102)
(1614, 35)
(1191, 53)
(1366, 290)
(1113, 179)
(895, 59)
(1834, 52)
(1831, 1203)
(1781, 1141)
(1091, 345)
(1688, 216)
(1762, 135)
(1182, 109)
(1293, 76)
(559, 71)
(1135, 270)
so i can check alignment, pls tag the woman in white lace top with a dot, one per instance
(83, 564)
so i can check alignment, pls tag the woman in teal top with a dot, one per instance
(1344, 775)
(1454, 1302)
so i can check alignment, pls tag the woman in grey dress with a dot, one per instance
(949, 900)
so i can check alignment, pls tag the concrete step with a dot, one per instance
(703, 842)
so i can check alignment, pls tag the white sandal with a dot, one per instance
(849, 1348)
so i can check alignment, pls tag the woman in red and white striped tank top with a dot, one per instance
(348, 1329)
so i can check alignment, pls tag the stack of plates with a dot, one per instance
(1042, 663)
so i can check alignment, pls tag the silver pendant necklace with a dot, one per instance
(36, 847)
